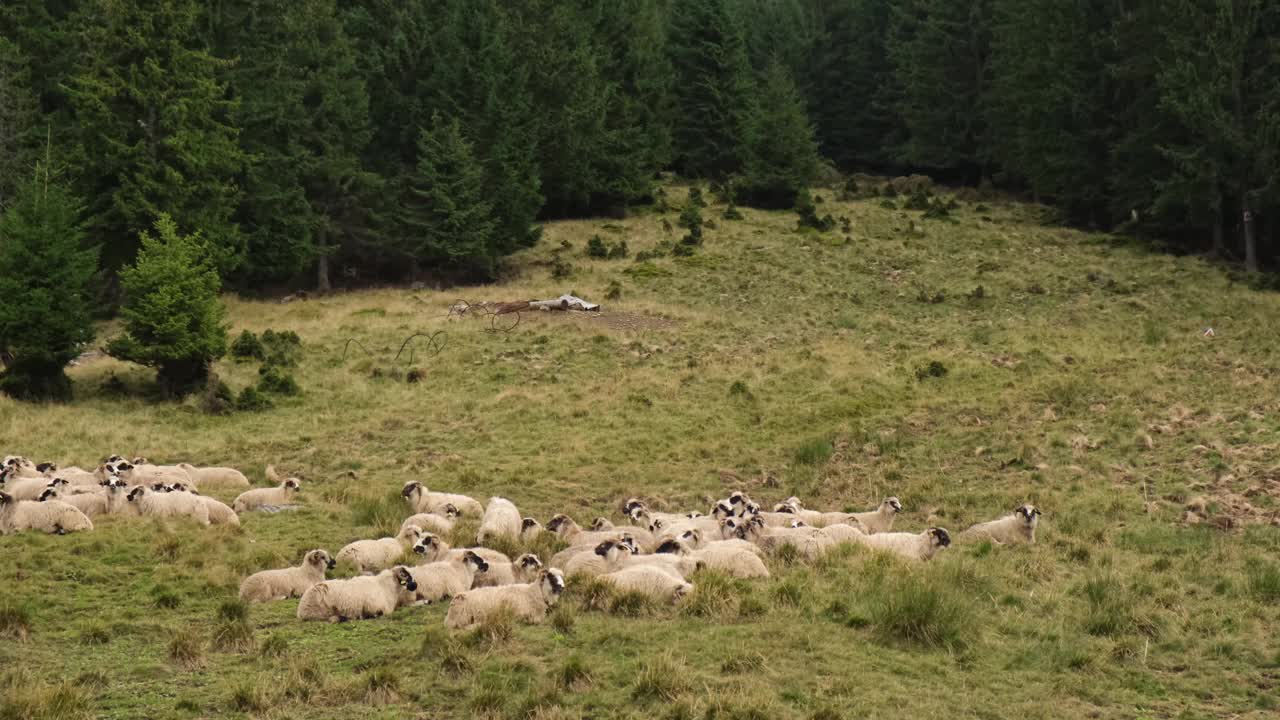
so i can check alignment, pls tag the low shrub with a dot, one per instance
(248, 347)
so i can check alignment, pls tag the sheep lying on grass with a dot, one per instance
(220, 476)
(562, 558)
(219, 512)
(915, 546)
(724, 556)
(52, 516)
(1020, 527)
(26, 488)
(357, 598)
(650, 581)
(92, 504)
(809, 543)
(169, 504)
(570, 532)
(434, 522)
(880, 520)
(433, 548)
(370, 555)
(425, 501)
(523, 569)
(527, 601)
(446, 578)
(287, 582)
(282, 494)
(501, 520)
(696, 540)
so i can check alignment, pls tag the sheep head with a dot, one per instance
(1029, 513)
(891, 505)
(552, 582)
(321, 559)
(672, 547)
(939, 537)
(412, 488)
(136, 493)
(451, 510)
(428, 544)
(560, 524)
(528, 561)
(46, 467)
(476, 562)
(404, 578)
(601, 523)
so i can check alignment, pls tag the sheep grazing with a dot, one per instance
(530, 529)
(220, 476)
(424, 501)
(880, 520)
(446, 578)
(523, 569)
(1020, 527)
(527, 601)
(358, 598)
(921, 546)
(501, 520)
(651, 581)
(723, 556)
(268, 497)
(434, 549)
(434, 522)
(52, 516)
(370, 555)
(168, 504)
(287, 582)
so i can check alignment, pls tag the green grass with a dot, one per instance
(786, 361)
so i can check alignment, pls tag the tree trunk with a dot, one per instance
(322, 263)
(1250, 237)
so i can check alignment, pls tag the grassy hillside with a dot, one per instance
(966, 366)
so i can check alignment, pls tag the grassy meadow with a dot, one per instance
(965, 365)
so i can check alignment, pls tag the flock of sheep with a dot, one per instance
(653, 553)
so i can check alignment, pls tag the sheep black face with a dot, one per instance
(475, 561)
(893, 504)
(940, 537)
(750, 508)
(292, 484)
(722, 510)
(604, 548)
(694, 515)
(405, 579)
(554, 581)
(529, 561)
(691, 536)
(628, 541)
(669, 547)
(48, 494)
(58, 482)
(633, 505)
(161, 487)
(46, 467)
(738, 498)
(425, 544)
(135, 493)
(5, 498)
(1029, 513)
(600, 524)
(557, 522)
(451, 511)
(528, 523)
(410, 488)
(321, 558)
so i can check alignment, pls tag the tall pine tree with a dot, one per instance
(784, 154)
(18, 117)
(714, 93)
(155, 128)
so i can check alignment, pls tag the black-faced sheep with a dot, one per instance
(287, 582)
(1020, 527)
(570, 532)
(370, 555)
(530, 529)
(446, 578)
(367, 596)
(433, 548)
(523, 569)
(527, 601)
(501, 520)
(53, 516)
(724, 556)
(283, 494)
(423, 501)
(92, 504)
(915, 546)
(808, 542)
(169, 504)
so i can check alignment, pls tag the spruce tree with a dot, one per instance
(173, 319)
(450, 224)
(940, 50)
(713, 93)
(18, 117)
(783, 156)
(154, 128)
(45, 269)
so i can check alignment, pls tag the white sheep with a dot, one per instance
(523, 569)
(287, 582)
(530, 529)
(53, 516)
(367, 596)
(142, 474)
(444, 579)
(663, 530)
(1020, 527)
(433, 548)
(77, 476)
(603, 558)
(649, 580)
(570, 532)
(267, 497)
(92, 504)
(423, 500)
(29, 488)
(527, 601)
(221, 476)
(880, 520)
(642, 536)
(370, 555)
(915, 546)
(219, 512)
(845, 532)
(697, 540)
(808, 542)
(723, 556)
(501, 520)
(562, 558)
(434, 522)
(169, 504)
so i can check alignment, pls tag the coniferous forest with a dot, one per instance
(309, 142)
